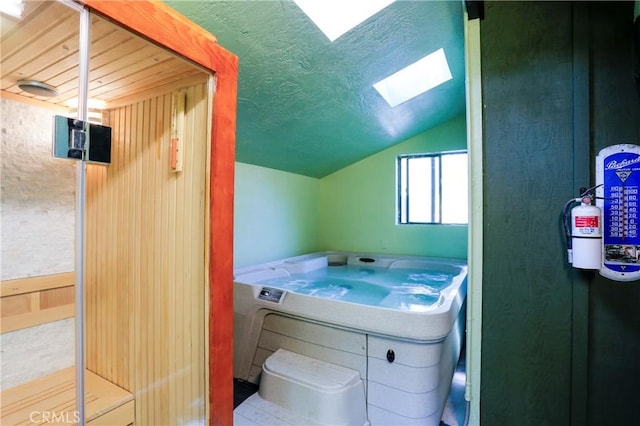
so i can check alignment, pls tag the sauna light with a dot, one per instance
(94, 115)
(336, 17)
(37, 88)
(415, 79)
(12, 8)
(91, 103)
(94, 109)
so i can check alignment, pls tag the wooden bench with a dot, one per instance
(52, 399)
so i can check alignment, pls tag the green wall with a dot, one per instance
(614, 314)
(358, 204)
(528, 145)
(281, 214)
(276, 215)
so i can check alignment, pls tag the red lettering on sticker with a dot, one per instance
(586, 221)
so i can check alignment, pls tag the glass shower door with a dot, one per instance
(146, 233)
(119, 309)
(40, 75)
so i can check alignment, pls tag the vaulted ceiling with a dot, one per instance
(306, 105)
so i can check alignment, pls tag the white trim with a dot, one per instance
(474, 283)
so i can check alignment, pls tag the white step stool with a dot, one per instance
(323, 393)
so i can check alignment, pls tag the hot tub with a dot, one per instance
(398, 320)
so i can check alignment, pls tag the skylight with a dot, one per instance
(336, 17)
(415, 79)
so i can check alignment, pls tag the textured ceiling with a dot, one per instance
(306, 105)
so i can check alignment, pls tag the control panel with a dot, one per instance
(270, 294)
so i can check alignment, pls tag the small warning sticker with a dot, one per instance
(586, 222)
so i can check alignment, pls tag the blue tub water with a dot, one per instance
(407, 289)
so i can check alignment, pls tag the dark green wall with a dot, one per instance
(614, 308)
(559, 346)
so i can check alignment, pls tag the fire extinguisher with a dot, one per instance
(584, 235)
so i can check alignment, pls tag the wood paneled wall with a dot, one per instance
(26, 302)
(146, 281)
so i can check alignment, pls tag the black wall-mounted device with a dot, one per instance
(79, 140)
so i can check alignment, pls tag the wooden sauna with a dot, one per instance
(158, 219)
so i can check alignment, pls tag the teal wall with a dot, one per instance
(276, 214)
(358, 204)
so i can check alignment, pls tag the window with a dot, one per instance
(433, 188)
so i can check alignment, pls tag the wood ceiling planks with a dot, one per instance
(43, 46)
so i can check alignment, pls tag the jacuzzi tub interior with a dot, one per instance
(398, 320)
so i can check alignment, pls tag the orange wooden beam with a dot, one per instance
(164, 26)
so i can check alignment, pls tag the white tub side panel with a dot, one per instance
(410, 354)
(344, 340)
(391, 398)
(403, 404)
(398, 376)
(389, 405)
